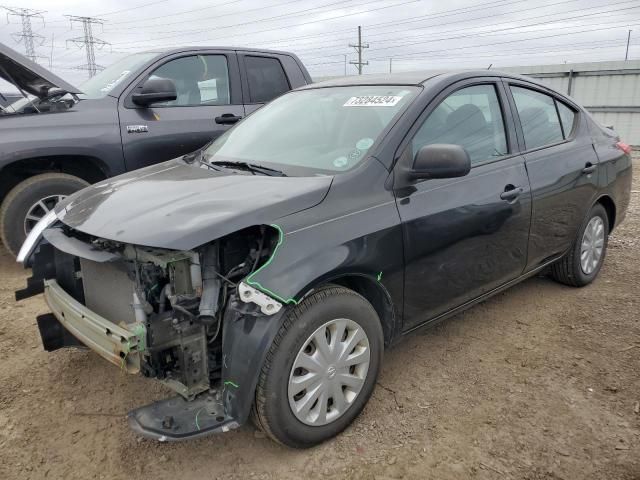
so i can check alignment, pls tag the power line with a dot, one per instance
(446, 13)
(449, 49)
(588, 46)
(288, 26)
(431, 38)
(531, 25)
(404, 31)
(134, 8)
(359, 47)
(498, 43)
(27, 37)
(88, 41)
(457, 11)
(259, 20)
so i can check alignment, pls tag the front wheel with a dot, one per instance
(580, 266)
(321, 368)
(31, 200)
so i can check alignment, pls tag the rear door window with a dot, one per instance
(266, 78)
(567, 117)
(538, 117)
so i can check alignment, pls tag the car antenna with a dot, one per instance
(489, 67)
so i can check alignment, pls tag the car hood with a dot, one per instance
(177, 205)
(28, 76)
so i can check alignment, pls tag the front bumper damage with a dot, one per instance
(116, 344)
(71, 275)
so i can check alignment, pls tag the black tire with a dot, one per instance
(568, 269)
(272, 412)
(23, 196)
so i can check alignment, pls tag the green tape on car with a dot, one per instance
(253, 283)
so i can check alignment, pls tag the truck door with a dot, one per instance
(264, 78)
(208, 87)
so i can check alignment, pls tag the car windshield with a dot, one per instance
(100, 85)
(20, 103)
(316, 131)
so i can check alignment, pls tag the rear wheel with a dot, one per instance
(321, 368)
(31, 200)
(580, 266)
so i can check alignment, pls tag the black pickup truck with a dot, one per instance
(146, 108)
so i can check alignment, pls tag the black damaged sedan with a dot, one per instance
(264, 275)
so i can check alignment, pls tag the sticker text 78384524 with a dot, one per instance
(373, 101)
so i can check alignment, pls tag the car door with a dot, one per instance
(208, 87)
(562, 167)
(464, 236)
(264, 78)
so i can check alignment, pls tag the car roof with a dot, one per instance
(166, 51)
(416, 78)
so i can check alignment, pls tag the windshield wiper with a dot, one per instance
(252, 167)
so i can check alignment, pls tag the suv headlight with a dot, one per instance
(34, 235)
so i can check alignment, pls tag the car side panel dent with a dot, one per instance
(354, 233)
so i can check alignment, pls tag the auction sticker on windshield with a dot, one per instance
(373, 101)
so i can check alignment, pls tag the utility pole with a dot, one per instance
(88, 41)
(626, 55)
(27, 36)
(390, 64)
(345, 64)
(359, 47)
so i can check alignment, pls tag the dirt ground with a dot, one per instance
(540, 382)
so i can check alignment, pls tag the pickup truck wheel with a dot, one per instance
(580, 266)
(29, 201)
(321, 368)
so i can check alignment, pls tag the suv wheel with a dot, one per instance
(580, 266)
(31, 200)
(321, 368)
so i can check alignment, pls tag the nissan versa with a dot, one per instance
(263, 275)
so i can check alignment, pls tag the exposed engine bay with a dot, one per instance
(152, 311)
(57, 102)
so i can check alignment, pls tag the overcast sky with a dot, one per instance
(415, 34)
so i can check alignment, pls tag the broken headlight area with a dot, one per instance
(153, 311)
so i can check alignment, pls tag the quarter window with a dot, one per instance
(199, 80)
(566, 117)
(538, 117)
(470, 117)
(266, 77)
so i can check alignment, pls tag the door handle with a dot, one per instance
(511, 192)
(589, 168)
(227, 119)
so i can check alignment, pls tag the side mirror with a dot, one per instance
(440, 160)
(155, 90)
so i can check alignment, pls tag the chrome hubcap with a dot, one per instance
(39, 210)
(592, 245)
(329, 372)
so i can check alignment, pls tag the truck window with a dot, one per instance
(266, 77)
(199, 79)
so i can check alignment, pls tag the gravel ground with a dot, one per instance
(539, 382)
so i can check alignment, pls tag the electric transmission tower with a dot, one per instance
(27, 37)
(359, 48)
(88, 41)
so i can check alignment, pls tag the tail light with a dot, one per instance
(624, 147)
